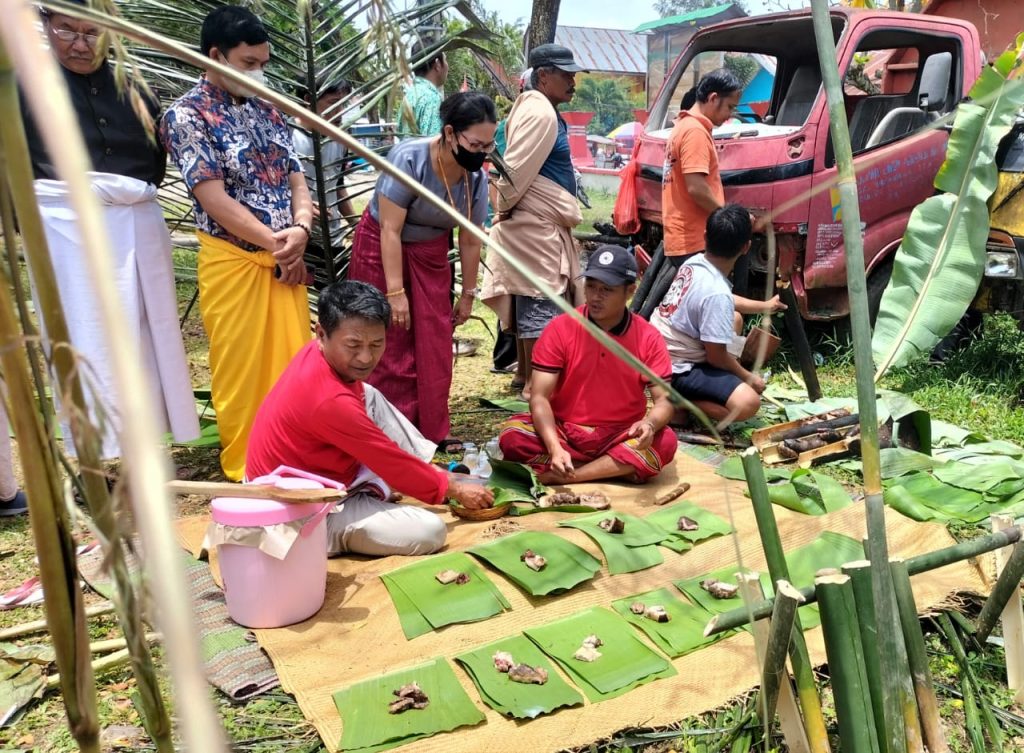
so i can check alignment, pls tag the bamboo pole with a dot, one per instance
(780, 635)
(255, 491)
(1007, 586)
(920, 564)
(864, 600)
(790, 722)
(846, 664)
(859, 572)
(1012, 619)
(971, 688)
(37, 626)
(803, 670)
(917, 655)
(101, 665)
(117, 644)
(85, 436)
(50, 104)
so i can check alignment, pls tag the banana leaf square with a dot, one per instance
(682, 634)
(627, 552)
(567, 564)
(424, 604)
(709, 525)
(516, 699)
(367, 725)
(626, 662)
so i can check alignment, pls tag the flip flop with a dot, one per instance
(451, 445)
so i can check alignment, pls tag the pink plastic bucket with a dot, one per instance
(263, 591)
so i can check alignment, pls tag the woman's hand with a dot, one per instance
(400, 314)
(463, 310)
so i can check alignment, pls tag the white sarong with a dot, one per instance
(143, 272)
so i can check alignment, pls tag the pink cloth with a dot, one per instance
(415, 374)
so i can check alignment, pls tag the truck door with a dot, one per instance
(898, 85)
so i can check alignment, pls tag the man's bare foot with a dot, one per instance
(552, 476)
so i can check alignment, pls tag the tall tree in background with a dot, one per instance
(666, 8)
(542, 23)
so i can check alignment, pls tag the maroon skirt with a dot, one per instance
(415, 373)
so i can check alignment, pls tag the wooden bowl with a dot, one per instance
(488, 513)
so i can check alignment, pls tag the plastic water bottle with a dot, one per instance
(483, 468)
(471, 457)
(493, 449)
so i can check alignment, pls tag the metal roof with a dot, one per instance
(605, 50)
(687, 18)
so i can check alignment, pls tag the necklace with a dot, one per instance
(447, 188)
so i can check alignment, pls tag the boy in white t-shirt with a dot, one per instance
(700, 324)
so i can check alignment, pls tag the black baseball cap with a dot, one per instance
(612, 265)
(554, 55)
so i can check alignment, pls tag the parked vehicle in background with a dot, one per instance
(903, 74)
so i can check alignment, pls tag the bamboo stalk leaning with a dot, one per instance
(1007, 586)
(917, 655)
(1012, 620)
(771, 543)
(922, 563)
(790, 720)
(846, 664)
(859, 572)
(787, 600)
(895, 694)
(147, 470)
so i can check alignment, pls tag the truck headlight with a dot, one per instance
(1002, 264)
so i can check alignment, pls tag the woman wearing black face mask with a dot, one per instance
(401, 246)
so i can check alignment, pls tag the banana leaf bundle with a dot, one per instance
(625, 662)
(829, 549)
(516, 699)
(635, 548)
(708, 525)
(424, 604)
(567, 564)
(684, 631)
(367, 726)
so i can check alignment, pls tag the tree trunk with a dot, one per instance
(542, 23)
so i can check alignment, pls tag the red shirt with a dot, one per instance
(314, 421)
(594, 387)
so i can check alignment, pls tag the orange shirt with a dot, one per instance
(690, 149)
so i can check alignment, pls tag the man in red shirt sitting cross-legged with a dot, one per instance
(588, 416)
(321, 417)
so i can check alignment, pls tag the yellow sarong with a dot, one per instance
(255, 325)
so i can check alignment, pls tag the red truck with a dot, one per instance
(903, 72)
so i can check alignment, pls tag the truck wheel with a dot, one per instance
(877, 283)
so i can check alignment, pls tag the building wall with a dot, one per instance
(998, 21)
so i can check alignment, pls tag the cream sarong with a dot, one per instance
(143, 272)
(542, 214)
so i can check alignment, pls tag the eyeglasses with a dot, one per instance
(478, 146)
(67, 35)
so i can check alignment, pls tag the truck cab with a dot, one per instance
(902, 74)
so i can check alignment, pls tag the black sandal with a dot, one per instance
(451, 445)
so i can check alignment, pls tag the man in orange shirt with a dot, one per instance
(691, 186)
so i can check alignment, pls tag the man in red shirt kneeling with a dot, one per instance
(588, 416)
(321, 417)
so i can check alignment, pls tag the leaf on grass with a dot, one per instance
(20, 683)
(899, 461)
(978, 478)
(367, 726)
(516, 699)
(423, 603)
(625, 662)
(568, 565)
(682, 634)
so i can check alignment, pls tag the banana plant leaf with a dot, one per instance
(568, 565)
(899, 461)
(941, 261)
(516, 699)
(514, 482)
(922, 496)
(367, 726)
(799, 489)
(682, 634)
(981, 478)
(424, 604)
(977, 453)
(827, 550)
(626, 662)
(628, 552)
(667, 519)
(20, 684)
(508, 404)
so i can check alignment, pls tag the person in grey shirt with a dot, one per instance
(401, 247)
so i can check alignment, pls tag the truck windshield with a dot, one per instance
(755, 70)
